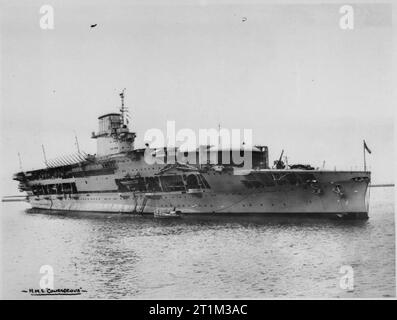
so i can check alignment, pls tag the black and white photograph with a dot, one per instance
(197, 150)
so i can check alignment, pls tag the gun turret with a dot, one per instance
(279, 163)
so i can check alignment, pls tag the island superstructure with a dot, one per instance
(119, 179)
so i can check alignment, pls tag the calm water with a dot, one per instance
(121, 256)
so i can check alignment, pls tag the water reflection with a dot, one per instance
(200, 256)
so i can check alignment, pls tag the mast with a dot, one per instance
(45, 158)
(219, 135)
(20, 161)
(77, 142)
(365, 161)
(123, 110)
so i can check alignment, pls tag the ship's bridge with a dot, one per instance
(109, 123)
(113, 135)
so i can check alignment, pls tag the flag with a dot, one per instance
(366, 147)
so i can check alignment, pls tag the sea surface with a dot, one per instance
(120, 256)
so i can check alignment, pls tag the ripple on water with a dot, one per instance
(123, 256)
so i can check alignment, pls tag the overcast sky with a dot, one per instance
(288, 72)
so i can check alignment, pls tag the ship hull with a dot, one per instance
(335, 193)
(209, 179)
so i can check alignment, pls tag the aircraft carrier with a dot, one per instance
(120, 179)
